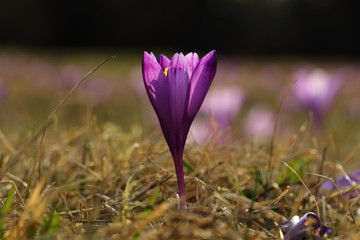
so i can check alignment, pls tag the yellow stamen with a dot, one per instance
(309, 221)
(166, 71)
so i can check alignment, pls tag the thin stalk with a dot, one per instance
(180, 179)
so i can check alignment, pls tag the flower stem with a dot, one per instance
(180, 180)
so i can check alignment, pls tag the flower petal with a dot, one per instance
(157, 88)
(179, 80)
(343, 182)
(192, 60)
(306, 227)
(163, 61)
(200, 82)
(150, 70)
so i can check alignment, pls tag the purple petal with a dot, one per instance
(152, 54)
(179, 80)
(316, 89)
(344, 181)
(223, 103)
(306, 227)
(151, 71)
(324, 231)
(192, 60)
(259, 124)
(300, 228)
(163, 61)
(157, 88)
(350, 179)
(200, 82)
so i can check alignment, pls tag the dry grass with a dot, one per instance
(96, 181)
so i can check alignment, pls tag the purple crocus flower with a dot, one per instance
(176, 89)
(316, 90)
(306, 227)
(259, 124)
(201, 131)
(344, 181)
(223, 104)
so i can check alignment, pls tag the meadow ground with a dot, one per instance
(99, 168)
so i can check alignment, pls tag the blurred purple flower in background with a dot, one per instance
(223, 103)
(218, 111)
(306, 227)
(40, 74)
(201, 131)
(69, 75)
(316, 90)
(343, 182)
(176, 89)
(259, 124)
(95, 90)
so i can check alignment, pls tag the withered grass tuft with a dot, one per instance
(95, 180)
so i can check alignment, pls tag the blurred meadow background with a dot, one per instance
(280, 118)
